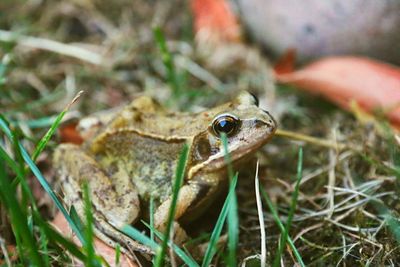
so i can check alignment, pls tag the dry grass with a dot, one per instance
(347, 207)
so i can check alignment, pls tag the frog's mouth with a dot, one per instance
(217, 161)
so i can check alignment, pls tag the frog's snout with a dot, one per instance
(269, 120)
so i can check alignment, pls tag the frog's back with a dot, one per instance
(149, 162)
(146, 116)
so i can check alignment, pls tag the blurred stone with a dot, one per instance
(318, 28)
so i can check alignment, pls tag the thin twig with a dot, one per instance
(312, 140)
(5, 252)
(331, 181)
(52, 46)
(306, 230)
(326, 168)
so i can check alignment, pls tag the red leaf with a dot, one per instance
(69, 134)
(370, 83)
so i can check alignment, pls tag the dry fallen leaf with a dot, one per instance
(215, 21)
(69, 134)
(373, 85)
(107, 252)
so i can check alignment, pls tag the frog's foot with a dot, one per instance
(109, 234)
(179, 234)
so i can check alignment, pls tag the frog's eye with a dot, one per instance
(225, 123)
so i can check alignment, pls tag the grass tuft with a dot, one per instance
(282, 227)
(167, 58)
(35, 170)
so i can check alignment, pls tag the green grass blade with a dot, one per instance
(45, 139)
(233, 231)
(117, 254)
(43, 247)
(140, 237)
(76, 219)
(91, 259)
(20, 175)
(391, 220)
(282, 227)
(227, 156)
(181, 254)
(233, 217)
(179, 176)
(151, 211)
(168, 62)
(211, 249)
(3, 200)
(36, 123)
(21, 165)
(295, 195)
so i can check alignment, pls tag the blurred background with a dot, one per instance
(192, 55)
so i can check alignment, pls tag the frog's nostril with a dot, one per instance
(258, 123)
(270, 121)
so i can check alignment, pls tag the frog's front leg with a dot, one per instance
(193, 197)
(113, 205)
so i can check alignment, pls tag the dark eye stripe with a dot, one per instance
(256, 101)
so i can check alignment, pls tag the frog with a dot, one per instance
(131, 160)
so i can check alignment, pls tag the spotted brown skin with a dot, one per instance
(134, 156)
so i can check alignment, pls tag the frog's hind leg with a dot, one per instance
(112, 205)
(102, 227)
(186, 196)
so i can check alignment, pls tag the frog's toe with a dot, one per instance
(180, 235)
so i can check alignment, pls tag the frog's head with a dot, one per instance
(246, 126)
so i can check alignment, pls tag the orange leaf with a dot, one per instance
(370, 83)
(215, 20)
(285, 64)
